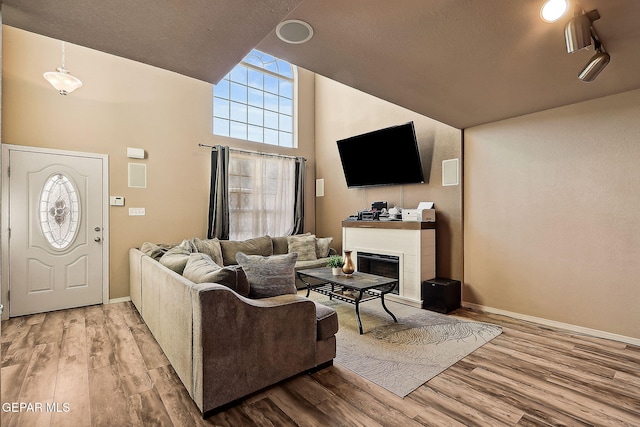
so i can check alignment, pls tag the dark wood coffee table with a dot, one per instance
(354, 289)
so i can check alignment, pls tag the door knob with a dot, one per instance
(97, 239)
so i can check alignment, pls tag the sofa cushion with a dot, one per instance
(257, 246)
(176, 258)
(269, 276)
(201, 268)
(304, 246)
(210, 247)
(323, 245)
(327, 321)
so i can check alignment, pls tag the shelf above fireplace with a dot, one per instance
(393, 225)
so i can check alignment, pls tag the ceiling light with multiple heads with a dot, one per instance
(61, 79)
(294, 31)
(579, 33)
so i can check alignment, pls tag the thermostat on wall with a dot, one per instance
(116, 201)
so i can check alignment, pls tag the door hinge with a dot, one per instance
(9, 233)
(9, 172)
(8, 295)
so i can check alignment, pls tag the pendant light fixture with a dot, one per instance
(61, 79)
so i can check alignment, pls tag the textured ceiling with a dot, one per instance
(203, 39)
(463, 62)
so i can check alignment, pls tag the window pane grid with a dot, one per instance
(255, 101)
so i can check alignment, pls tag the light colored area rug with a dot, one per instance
(402, 356)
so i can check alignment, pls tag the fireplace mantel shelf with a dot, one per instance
(395, 225)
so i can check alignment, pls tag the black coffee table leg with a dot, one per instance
(357, 302)
(306, 283)
(311, 286)
(384, 305)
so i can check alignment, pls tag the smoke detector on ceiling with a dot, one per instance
(294, 31)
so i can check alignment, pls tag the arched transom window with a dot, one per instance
(256, 101)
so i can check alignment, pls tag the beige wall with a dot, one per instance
(551, 199)
(343, 112)
(128, 104)
(551, 215)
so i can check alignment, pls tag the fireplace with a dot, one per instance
(413, 242)
(380, 265)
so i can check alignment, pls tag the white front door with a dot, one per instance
(56, 230)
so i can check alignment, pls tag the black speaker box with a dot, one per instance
(441, 295)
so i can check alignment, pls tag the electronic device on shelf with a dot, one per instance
(424, 213)
(378, 212)
(420, 215)
(395, 214)
(368, 215)
(379, 206)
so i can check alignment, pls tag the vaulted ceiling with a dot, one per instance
(462, 62)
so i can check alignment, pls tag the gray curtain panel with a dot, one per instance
(298, 214)
(219, 194)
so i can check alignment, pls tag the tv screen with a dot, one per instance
(383, 157)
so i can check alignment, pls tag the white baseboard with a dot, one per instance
(117, 300)
(557, 325)
(403, 300)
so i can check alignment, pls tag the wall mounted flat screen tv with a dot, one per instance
(387, 156)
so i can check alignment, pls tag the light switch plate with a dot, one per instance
(137, 212)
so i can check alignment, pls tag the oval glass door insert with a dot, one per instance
(59, 211)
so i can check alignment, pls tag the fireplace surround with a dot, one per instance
(413, 243)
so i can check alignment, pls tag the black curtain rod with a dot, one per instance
(213, 147)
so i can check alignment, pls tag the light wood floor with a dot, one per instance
(101, 367)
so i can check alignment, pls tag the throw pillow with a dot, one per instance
(153, 250)
(269, 276)
(323, 244)
(176, 258)
(210, 247)
(281, 244)
(257, 246)
(201, 268)
(304, 246)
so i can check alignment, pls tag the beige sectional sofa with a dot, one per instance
(223, 345)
